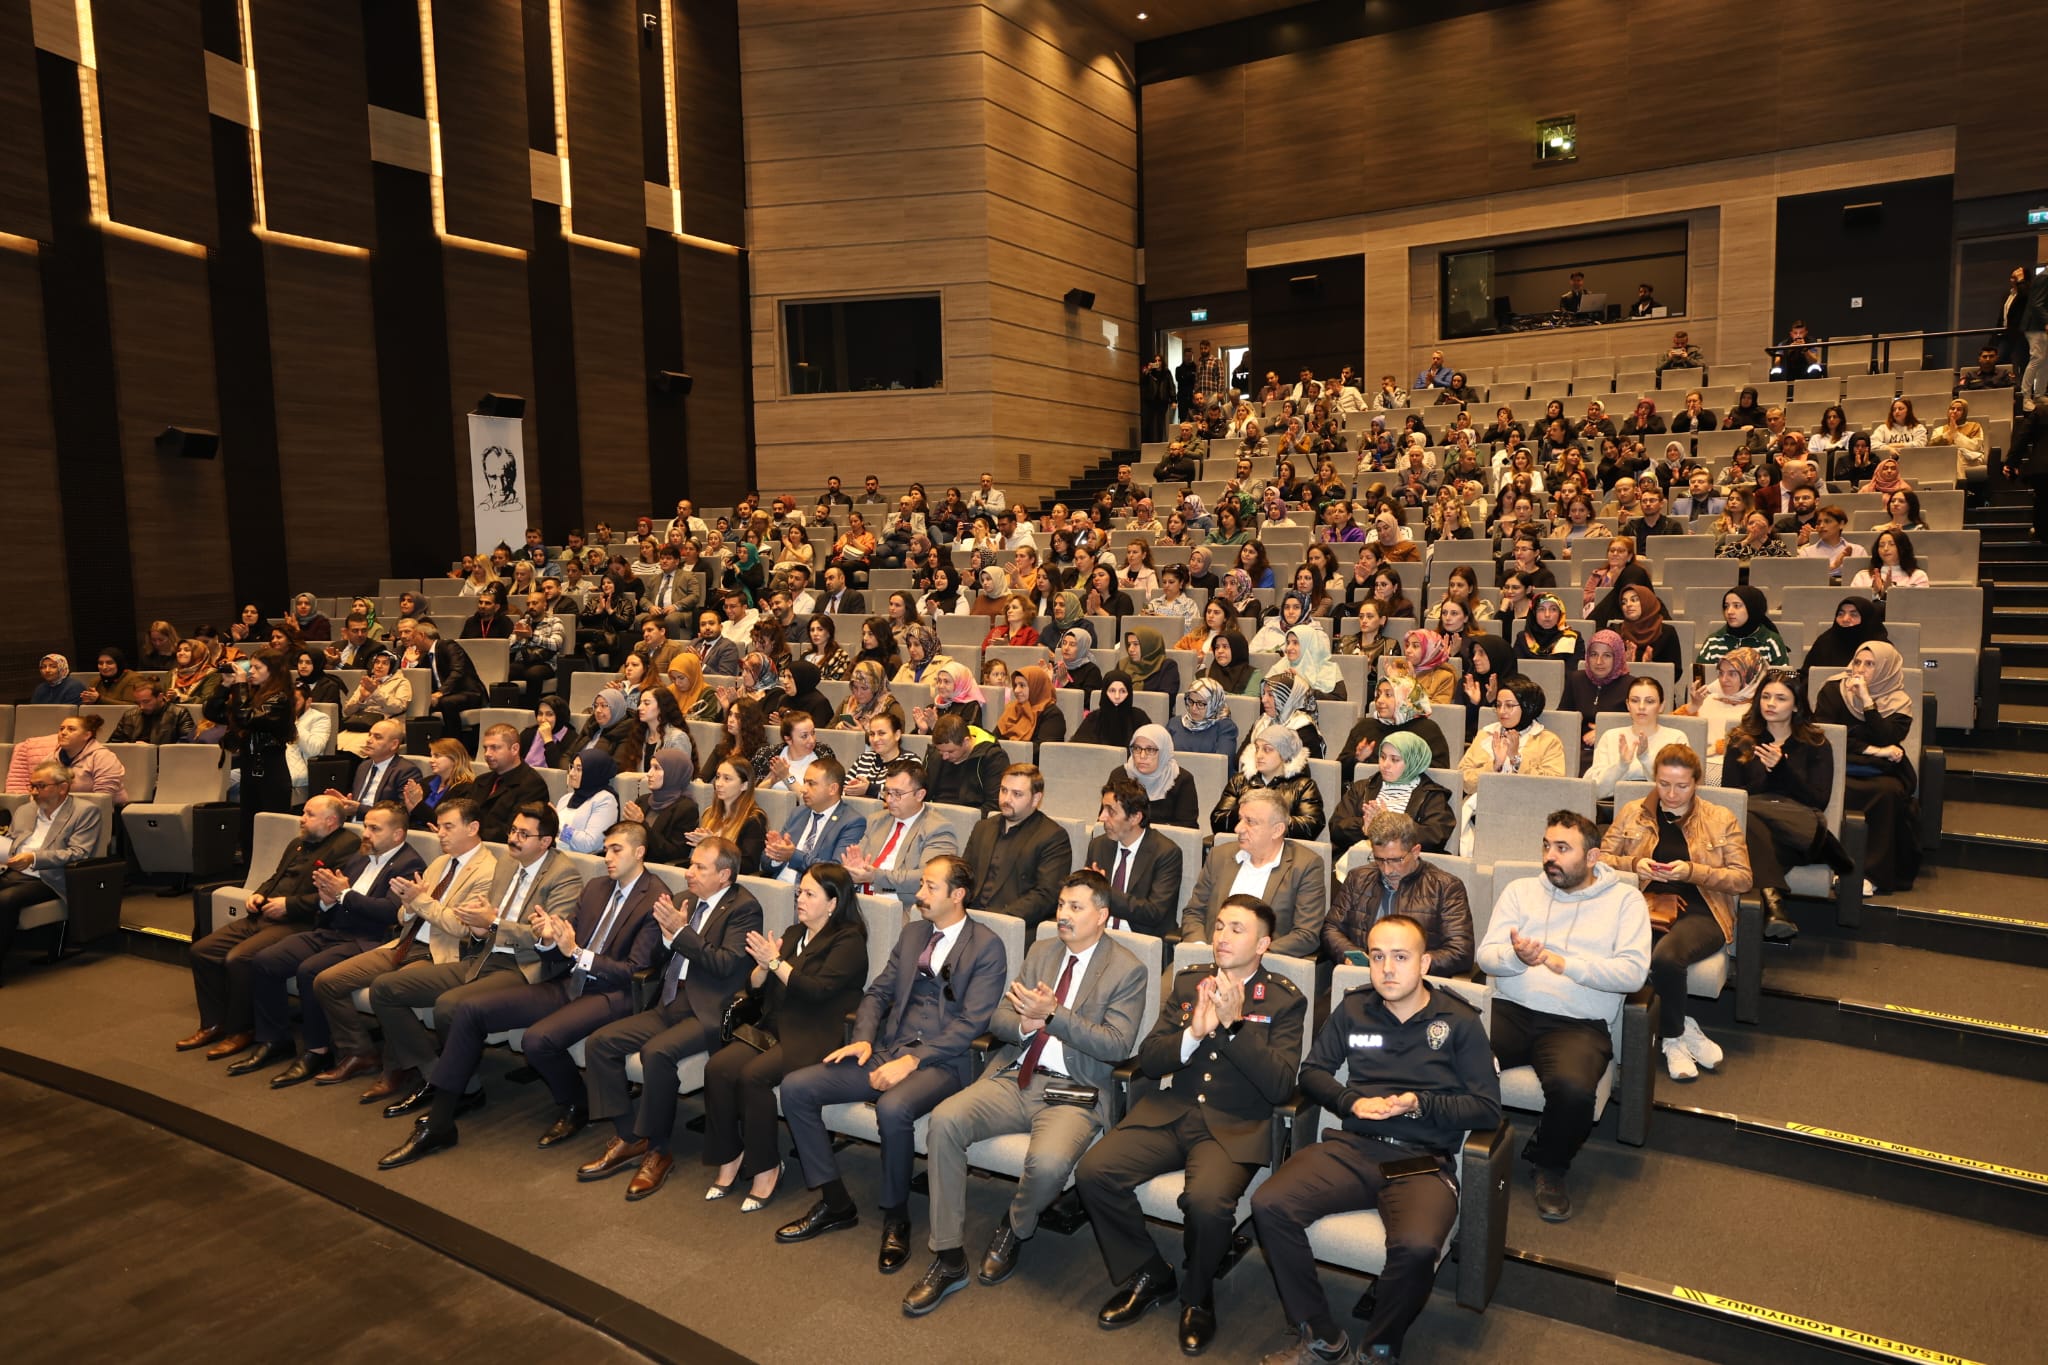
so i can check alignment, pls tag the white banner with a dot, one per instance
(497, 466)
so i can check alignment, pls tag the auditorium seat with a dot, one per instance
(160, 830)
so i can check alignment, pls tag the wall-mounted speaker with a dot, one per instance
(1080, 298)
(501, 405)
(672, 381)
(188, 443)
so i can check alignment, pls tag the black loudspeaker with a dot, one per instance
(1080, 298)
(672, 381)
(501, 405)
(189, 442)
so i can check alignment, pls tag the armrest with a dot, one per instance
(1638, 1071)
(1749, 964)
(1933, 791)
(984, 1045)
(1488, 1161)
(646, 982)
(1130, 1085)
(1849, 889)
(1292, 1118)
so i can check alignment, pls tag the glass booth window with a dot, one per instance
(863, 345)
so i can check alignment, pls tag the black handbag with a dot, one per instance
(741, 1023)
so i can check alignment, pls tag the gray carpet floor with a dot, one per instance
(1885, 973)
(705, 1265)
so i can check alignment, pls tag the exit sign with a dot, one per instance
(1202, 314)
(2037, 217)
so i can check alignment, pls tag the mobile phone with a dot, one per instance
(1407, 1166)
(1356, 958)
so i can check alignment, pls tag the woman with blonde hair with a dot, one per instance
(451, 777)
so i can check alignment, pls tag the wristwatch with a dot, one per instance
(774, 964)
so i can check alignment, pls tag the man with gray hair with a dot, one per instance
(1263, 863)
(1398, 882)
(48, 833)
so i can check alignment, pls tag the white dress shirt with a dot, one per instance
(706, 910)
(426, 930)
(1054, 1058)
(1251, 878)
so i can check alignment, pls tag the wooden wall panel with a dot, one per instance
(39, 614)
(152, 83)
(713, 289)
(480, 65)
(164, 374)
(489, 351)
(611, 383)
(312, 100)
(600, 42)
(1195, 183)
(330, 449)
(24, 187)
(710, 132)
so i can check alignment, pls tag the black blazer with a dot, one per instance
(717, 954)
(458, 675)
(398, 771)
(1151, 905)
(1245, 1071)
(371, 914)
(631, 945)
(293, 879)
(808, 1013)
(502, 794)
(1180, 806)
(1038, 857)
(666, 828)
(975, 971)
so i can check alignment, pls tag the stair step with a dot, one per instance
(2024, 621)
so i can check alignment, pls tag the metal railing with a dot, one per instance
(1880, 344)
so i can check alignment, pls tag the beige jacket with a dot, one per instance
(1714, 843)
(445, 939)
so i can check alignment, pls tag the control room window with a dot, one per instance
(863, 345)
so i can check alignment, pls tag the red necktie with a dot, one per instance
(887, 849)
(1122, 881)
(1027, 1066)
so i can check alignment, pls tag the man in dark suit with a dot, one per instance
(720, 656)
(911, 1049)
(1225, 1051)
(1142, 866)
(1285, 877)
(454, 686)
(355, 647)
(820, 830)
(838, 599)
(963, 773)
(382, 774)
(706, 963)
(1019, 855)
(557, 960)
(285, 904)
(1071, 1016)
(356, 911)
(507, 785)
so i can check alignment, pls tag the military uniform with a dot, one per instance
(1210, 1115)
(1440, 1053)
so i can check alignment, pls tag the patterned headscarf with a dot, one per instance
(1216, 704)
(1617, 648)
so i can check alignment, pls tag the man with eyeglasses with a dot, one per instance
(1020, 855)
(891, 859)
(1399, 882)
(47, 834)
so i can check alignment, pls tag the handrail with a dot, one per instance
(1880, 360)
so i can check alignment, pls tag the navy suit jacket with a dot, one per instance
(398, 770)
(628, 949)
(717, 954)
(372, 914)
(974, 973)
(841, 832)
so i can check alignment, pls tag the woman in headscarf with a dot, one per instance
(1307, 651)
(1489, 660)
(1074, 664)
(1600, 685)
(115, 685)
(1400, 783)
(1858, 620)
(1515, 741)
(1237, 591)
(1115, 717)
(1646, 637)
(802, 686)
(1065, 609)
(1781, 758)
(1871, 700)
(1748, 626)
(954, 693)
(1544, 634)
(1600, 597)
(1204, 725)
(668, 810)
(1230, 665)
(193, 676)
(920, 655)
(1168, 787)
(589, 807)
(1275, 760)
(1398, 707)
(1033, 715)
(541, 743)
(867, 695)
(313, 680)
(993, 593)
(693, 695)
(1724, 702)
(1428, 656)
(614, 729)
(1146, 662)
(1293, 610)
(1286, 703)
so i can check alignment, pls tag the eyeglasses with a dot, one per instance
(1152, 749)
(39, 786)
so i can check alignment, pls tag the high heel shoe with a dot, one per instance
(718, 1192)
(754, 1204)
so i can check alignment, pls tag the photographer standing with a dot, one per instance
(256, 706)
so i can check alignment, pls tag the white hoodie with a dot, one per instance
(1602, 931)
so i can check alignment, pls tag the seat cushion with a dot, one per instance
(1519, 1089)
(858, 1121)
(1706, 977)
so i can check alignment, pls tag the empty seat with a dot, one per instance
(160, 830)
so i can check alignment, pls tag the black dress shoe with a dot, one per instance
(1130, 1303)
(308, 1065)
(819, 1221)
(1778, 922)
(417, 1100)
(929, 1292)
(567, 1126)
(1197, 1327)
(269, 1054)
(424, 1141)
(895, 1246)
(1001, 1256)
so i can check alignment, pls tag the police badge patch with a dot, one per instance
(1439, 1033)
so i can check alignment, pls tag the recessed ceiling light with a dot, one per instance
(1143, 15)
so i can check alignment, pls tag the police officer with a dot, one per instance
(1225, 1051)
(1420, 1077)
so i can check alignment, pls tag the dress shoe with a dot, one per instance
(201, 1038)
(618, 1155)
(895, 1246)
(229, 1046)
(269, 1054)
(1001, 1257)
(304, 1069)
(567, 1126)
(1778, 922)
(1130, 1303)
(423, 1098)
(929, 1292)
(651, 1176)
(391, 1086)
(1197, 1327)
(754, 1203)
(819, 1221)
(1553, 1197)
(347, 1069)
(424, 1140)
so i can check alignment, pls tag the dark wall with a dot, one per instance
(1886, 244)
(1296, 320)
(337, 363)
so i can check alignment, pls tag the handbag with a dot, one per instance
(1665, 908)
(740, 1011)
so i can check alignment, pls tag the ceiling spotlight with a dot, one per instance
(1143, 15)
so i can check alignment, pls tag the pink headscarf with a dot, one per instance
(1617, 648)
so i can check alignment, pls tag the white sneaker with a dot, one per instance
(1868, 889)
(1704, 1050)
(1678, 1061)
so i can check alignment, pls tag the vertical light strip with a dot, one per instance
(255, 122)
(431, 82)
(559, 60)
(668, 104)
(89, 114)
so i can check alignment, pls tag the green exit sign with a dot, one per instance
(1202, 314)
(2037, 217)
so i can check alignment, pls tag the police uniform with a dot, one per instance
(1442, 1055)
(1210, 1115)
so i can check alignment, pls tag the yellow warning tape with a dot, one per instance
(1848, 1336)
(1922, 1153)
(1972, 915)
(1994, 1024)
